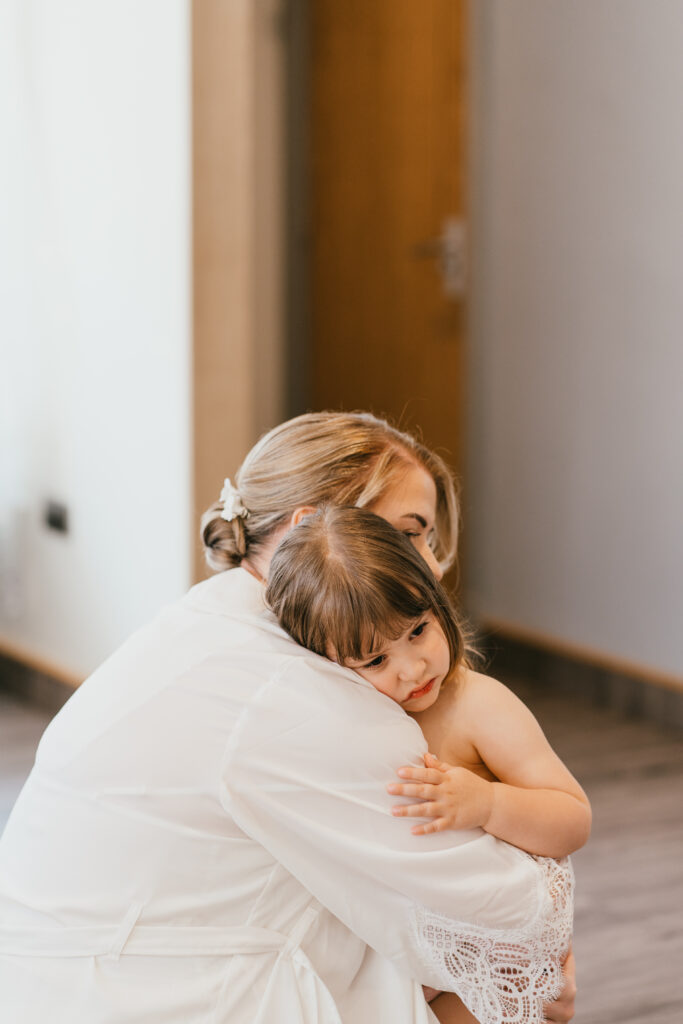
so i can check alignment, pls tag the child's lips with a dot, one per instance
(421, 690)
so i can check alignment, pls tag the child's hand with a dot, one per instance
(454, 797)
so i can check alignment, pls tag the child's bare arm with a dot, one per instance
(537, 805)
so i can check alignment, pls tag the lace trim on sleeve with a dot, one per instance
(504, 976)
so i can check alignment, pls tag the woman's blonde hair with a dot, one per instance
(344, 581)
(324, 458)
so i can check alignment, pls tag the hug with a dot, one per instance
(211, 830)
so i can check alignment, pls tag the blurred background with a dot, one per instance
(215, 214)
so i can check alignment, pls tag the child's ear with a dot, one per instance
(300, 513)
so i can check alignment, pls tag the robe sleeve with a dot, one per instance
(305, 775)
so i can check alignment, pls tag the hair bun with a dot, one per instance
(225, 543)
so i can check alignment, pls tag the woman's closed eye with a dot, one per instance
(420, 538)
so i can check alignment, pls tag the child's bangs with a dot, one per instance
(373, 615)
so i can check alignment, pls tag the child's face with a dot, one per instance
(412, 668)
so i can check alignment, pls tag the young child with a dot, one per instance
(348, 586)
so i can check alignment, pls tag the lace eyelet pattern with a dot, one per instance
(504, 976)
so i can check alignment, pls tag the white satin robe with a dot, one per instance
(205, 838)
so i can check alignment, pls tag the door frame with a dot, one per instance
(238, 210)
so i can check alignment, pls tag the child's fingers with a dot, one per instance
(432, 761)
(440, 825)
(419, 774)
(421, 789)
(425, 810)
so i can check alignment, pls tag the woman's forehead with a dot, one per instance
(412, 497)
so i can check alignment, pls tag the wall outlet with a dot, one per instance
(56, 516)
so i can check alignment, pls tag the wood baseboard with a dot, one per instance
(517, 653)
(509, 631)
(34, 678)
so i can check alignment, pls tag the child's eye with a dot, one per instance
(376, 662)
(419, 630)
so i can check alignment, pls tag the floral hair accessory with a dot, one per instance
(232, 503)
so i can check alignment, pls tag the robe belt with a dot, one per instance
(133, 939)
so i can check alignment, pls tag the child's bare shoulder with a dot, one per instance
(480, 697)
(463, 693)
(476, 687)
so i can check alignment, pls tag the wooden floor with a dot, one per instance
(629, 895)
(629, 915)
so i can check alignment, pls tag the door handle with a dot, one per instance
(449, 250)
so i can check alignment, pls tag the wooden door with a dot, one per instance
(387, 171)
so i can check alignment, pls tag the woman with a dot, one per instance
(206, 836)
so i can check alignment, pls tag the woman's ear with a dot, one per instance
(300, 513)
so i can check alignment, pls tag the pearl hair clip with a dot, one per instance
(232, 503)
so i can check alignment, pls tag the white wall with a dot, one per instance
(575, 518)
(94, 319)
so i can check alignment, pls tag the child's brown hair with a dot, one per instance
(344, 579)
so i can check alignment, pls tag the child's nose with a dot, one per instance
(410, 669)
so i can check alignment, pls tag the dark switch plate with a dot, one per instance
(57, 516)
